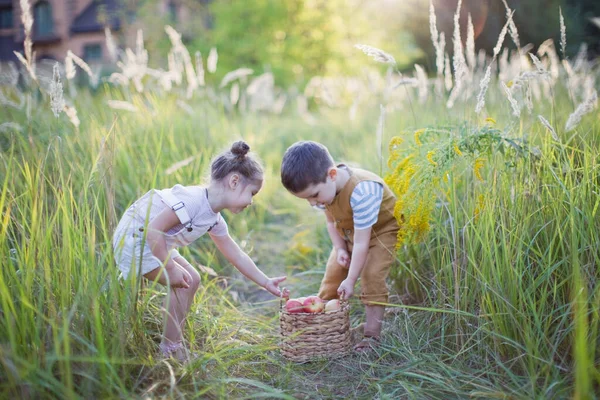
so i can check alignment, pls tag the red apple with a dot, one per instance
(294, 306)
(313, 304)
(332, 305)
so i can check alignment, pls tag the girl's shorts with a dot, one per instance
(132, 252)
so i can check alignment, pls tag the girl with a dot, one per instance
(151, 230)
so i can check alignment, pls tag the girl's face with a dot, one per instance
(241, 193)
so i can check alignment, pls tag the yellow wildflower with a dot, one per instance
(490, 121)
(446, 177)
(395, 142)
(480, 205)
(417, 134)
(457, 150)
(479, 162)
(430, 157)
(399, 210)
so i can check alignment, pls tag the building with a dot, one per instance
(62, 25)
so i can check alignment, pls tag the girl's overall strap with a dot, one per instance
(176, 205)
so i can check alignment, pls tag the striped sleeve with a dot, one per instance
(365, 202)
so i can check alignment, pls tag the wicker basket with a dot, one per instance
(308, 336)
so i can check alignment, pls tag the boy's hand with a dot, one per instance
(346, 289)
(272, 284)
(343, 258)
(179, 278)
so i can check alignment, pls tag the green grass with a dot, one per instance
(508, 305)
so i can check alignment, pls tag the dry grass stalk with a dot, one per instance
(29, 59)
(545, 122)
(235, 74)
(485, 82)
(10, 126)
(422, 83)
(234, 94)
(5, 101)
(9, 77)
(377, 54)
(513, 103)
(538, 64)
(84, 66)
(57, 102)
(121, 105)
(185, 107)
(584, 108)
(470, 51)
(512, 28)
(548, 48)
(459, 57)
(199, 69)
(179, 164)
(111, 46)
(529, 98)
(563, 34)
(447, 73)
(211, 61)
(69, 66)
(71, 113)
(436, 39)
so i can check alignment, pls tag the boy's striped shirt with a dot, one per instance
(365, 202)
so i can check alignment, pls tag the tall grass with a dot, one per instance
(505, 283)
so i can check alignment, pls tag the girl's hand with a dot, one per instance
(178, 278)
(346, 289)
(272, 284)
(343, 258)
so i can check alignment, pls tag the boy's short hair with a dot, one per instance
(305, 163)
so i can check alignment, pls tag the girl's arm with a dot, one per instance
(155, 237)
(245, 265)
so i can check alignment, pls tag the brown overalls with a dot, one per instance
(381, 253)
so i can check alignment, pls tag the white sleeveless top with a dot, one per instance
(190, 203)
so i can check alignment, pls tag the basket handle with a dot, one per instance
(281, 297)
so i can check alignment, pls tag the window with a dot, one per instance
(172, 11)
(42, 14)
(6, 18)
(92, 52)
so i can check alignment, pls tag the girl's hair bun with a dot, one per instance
(240, 148)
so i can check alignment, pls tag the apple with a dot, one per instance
(294, 306)
(332, 305)
(313, 304)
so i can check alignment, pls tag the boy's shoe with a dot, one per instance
(367, 344)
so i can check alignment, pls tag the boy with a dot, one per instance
(359, 208)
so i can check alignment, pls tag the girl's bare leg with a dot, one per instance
(177, 303)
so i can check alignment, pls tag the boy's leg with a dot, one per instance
(373, 283)
(334, 275)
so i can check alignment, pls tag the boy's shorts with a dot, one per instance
(380, 258)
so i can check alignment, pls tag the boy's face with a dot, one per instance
(320, 194)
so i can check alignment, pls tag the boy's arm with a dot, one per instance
(245, 265)
(336, 239)
(362, 237)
